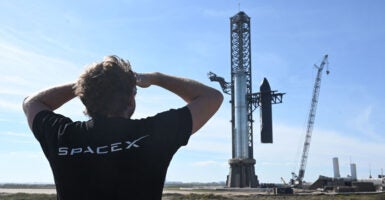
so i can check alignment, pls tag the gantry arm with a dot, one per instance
(226, 86)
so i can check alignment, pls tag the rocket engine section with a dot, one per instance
(265, 112)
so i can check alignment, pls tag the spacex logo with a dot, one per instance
(99, 150)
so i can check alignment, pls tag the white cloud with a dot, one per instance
(24, 67)
(208, 163)
(10, 105)
(25, 167)
(13, 79)
(15, 134)
(23, 71)
(24, 154)
(73, 109)
(16, 139)
(208, 146)
(363, 123)
(12, 91)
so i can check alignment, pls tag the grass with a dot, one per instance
(24, 196)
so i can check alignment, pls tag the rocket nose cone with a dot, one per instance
(265, 81)
(265, 86)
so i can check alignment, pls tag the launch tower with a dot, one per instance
(243, 103)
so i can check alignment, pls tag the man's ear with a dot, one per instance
(132, 103)
(130, 107)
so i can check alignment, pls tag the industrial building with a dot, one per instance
(350, 183)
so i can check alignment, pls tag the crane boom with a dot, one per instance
(311, 118)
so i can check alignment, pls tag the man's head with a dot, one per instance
(108, 88)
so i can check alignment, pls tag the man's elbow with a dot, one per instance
(25, 104)
(32, 106)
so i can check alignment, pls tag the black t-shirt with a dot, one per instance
(111, 158)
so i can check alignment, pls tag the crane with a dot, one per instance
(298, 180)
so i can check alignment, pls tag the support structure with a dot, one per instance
(243, 103)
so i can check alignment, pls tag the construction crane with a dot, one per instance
(283, 181)
(297, 181)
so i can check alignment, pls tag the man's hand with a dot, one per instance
(144, 80)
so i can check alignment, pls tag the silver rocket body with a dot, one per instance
(240, 115)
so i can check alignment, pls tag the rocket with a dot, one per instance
(265, 112)
(241, 140)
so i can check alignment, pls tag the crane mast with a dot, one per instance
(310, 123)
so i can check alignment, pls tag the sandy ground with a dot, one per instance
(28, 191)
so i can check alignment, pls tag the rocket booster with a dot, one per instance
(241, 140)
(265, 112)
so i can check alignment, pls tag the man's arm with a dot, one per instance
(203, 101)
(49, 99)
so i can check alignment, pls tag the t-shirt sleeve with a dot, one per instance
(174, 125)
(46, 126)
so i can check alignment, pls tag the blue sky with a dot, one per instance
(45, 43)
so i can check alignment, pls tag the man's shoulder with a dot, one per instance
(174, 125)
(47, 121)
(179, 113)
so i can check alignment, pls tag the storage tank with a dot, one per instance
(353, 171)
(336, 168)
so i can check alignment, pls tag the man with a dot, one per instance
(112, 156)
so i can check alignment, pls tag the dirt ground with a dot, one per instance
(177, 194)
(250, 195)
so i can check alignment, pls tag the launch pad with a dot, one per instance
(242, 173)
